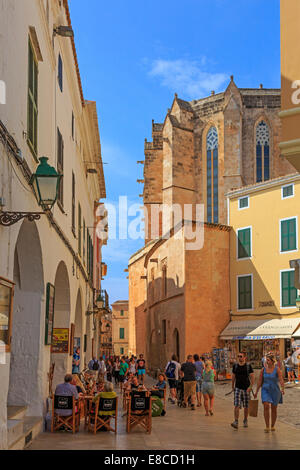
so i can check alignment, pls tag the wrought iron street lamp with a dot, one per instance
(100, 302)
(45, 183)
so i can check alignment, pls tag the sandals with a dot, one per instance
(211, 413)
(267, 429)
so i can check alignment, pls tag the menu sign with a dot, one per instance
(49, 313)
(6, 296)
(60, 340)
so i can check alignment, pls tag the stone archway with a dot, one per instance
(62, 308)
(26, 360)
(176, 343)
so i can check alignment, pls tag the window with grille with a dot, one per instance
(79, 229)
(122, 333)
(287, 191)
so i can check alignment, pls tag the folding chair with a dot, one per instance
(96, 421)
(139, 411)
(71, 422)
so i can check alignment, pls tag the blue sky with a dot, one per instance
(134, 55)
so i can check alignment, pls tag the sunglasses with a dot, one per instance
(240, 356)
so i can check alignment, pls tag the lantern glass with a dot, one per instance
(45, 183)
(298, 302)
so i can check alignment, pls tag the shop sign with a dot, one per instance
(254, 338)
(60, 340)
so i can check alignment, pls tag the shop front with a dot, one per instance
(258, 337)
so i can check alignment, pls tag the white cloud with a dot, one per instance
(187, 77)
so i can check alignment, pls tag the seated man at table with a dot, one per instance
(134, 383)
(66, 390)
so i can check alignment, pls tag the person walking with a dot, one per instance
(109, 370)
(132, 366)
(141, 368)
(123, 371)
(289, 364)
(172, 373)
(208, 388)
(242, 383)
(188, 372)
(271, 395)
(117, 370)
(199, 371)
(101, 370)
(93, 364)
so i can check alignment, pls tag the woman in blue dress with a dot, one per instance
(271, 395)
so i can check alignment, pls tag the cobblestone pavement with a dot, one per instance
(288, 412)
(183, 429)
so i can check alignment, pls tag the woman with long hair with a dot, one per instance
(271, 395)
(208, 388)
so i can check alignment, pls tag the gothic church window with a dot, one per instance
(212, 144)
(262, 152)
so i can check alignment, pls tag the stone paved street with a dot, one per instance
(187, 430)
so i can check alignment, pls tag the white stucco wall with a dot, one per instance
(25, 381)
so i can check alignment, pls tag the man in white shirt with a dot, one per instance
(172, 372)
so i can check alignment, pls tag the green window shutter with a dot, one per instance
(79, 229)
(243, 202)
(122, 333)
(121, 350)
(288, 191)
(288, 235)
(244, 292)
(60, 166)
(83, 241)
(244, 243)
(32, 113)
(288, 290)
(122, 313)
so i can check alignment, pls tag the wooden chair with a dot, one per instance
(139, 411)
(96, 421)
(71, 422)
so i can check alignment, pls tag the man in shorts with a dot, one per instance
(242, 383)
(188, 371)
(141, 368)
(172, 374)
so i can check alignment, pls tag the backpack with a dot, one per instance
(95, 365)
(170, 372)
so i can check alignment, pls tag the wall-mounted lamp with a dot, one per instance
(64, 31)
(45, 184)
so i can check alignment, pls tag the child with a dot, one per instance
(161, 385)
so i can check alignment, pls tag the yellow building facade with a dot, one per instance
(264, 237)
(120, 328)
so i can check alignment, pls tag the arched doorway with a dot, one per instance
(62, 309)
(26, 360)
(78, 342)
(176, 344)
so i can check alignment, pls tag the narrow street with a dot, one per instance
(181, 429)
